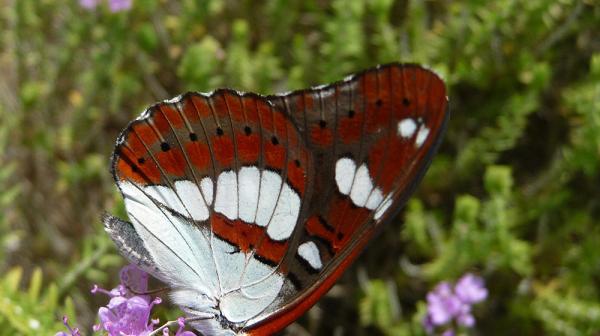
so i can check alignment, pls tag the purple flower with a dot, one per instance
(180, 331)
(89, 4)
(442, 304)
(127, 316)
(128, 311)
(113, 5)
(448, 332)
(470, 289)
(447, 304)
(119, 5)
(465, 318)
(72, 332)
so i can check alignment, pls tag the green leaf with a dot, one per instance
(35, 285)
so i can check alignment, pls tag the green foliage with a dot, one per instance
(481, 233)
(512, 195)
(198, 62)
(377, 307)
(30, 311)
(567, 315)
(583, 99)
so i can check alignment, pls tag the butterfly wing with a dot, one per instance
(251, 207)
(372, 137)
(214, 186)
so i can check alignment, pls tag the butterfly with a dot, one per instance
(250, 207)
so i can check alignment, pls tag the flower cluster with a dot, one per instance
(113, 5)
(447, 305)
(128, 311)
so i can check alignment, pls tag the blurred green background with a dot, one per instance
(513, 195)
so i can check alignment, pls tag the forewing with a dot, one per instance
(371, 136)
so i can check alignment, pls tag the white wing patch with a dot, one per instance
(345, 169)
(167, 197)
(387, 202)
(407, 128)
(270, 186)
(209, 275)
(264, 200)
(230, 264)
(226, 201)
(249, 183)
(245, 291)
(186, 199)
(192, 199)
(207, 189)
(285, 216)
(374, 199)
(422, 135)
(362, 186)
(255, 271)
(181, 250)
(237, 306)
(357, 183)
(310, 253)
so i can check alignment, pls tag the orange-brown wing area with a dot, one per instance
(198, 138)
(372, 136)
